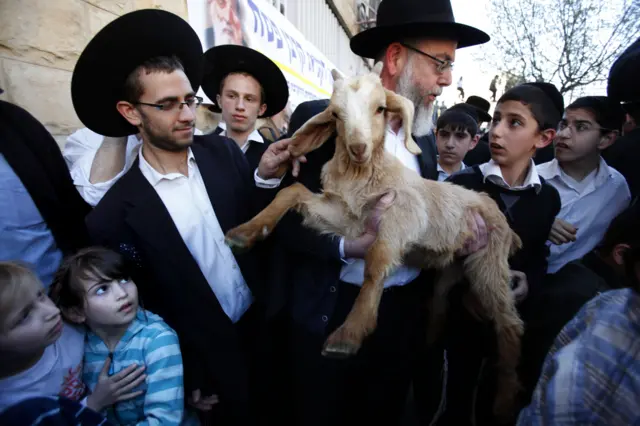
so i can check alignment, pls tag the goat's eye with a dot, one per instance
(380, 110)
(335, 115)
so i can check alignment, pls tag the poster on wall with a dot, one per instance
(258, 25)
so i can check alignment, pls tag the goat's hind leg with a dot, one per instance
(361, 321)
(258, 228)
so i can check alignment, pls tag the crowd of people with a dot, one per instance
(121, 303)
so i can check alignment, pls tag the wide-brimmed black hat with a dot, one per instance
(482, 107)
(623, 84)
(222, 60)
(398, 19)
(97, 84)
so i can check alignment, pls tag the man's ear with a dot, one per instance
(607, 140)
(617, 254)
(262, 109)
(74, 315)
(546, 137)
(129, 112)
(474, 142)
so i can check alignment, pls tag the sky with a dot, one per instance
(475, 81)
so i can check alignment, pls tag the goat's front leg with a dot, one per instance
(361, 321)
(258, 228)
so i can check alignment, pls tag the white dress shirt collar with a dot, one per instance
(154, 176)
(492, 172)
(551, 170)
(254, 136)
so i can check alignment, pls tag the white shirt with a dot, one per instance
(79, 153)
(443, 175)
(492, 172)
(353, 271)
(254, 136)
(189, 206)
(57, 372)
(589, 205)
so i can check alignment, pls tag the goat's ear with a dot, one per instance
(403, 106)
(313, 133)
(336, 75)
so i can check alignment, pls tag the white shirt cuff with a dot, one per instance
(91, 192)
(341, 252)
(268, 183)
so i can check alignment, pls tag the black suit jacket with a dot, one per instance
(36, 159)
(313, 260)
(132, 219)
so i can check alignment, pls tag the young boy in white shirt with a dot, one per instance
(591, 192)
(41, 355)
(456, 134)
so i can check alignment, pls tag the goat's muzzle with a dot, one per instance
(358, 152)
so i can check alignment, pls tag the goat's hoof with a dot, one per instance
(341, 344)
(242, 238)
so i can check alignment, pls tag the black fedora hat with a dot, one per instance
(222, 60)
(97, 84)
(623, 85)
(482, 106)
(397, 19)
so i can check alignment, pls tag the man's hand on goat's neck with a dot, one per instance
(357, 248)
(481, 235)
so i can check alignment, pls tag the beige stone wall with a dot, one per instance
(40, 41)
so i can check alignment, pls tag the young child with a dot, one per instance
(40, 354)
(524, 120)
(592, 193)
(93, 288)
(456, 134)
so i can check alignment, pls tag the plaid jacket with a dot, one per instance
(592, 373)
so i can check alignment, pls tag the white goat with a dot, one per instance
(427, 218)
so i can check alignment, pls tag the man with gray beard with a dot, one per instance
(416, 43)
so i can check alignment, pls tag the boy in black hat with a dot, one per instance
(246, 85)
(167, 215)
(456, 134)
(592, 193)
(524, 121)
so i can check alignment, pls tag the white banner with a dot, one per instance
(258, 25)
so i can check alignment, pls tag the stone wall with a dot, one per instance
(40, 41)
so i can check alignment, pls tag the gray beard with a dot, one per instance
(423, 115)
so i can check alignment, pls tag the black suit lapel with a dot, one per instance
(150, 220)
(428, 158)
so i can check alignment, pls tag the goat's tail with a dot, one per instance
(489, 276)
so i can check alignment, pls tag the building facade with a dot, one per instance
(40, 41)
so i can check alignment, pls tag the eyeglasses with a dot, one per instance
(443, 65)
(174, 105)
(580, 127)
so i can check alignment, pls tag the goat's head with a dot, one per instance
(358, 111)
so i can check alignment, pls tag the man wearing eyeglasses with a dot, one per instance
(168, 213)
(416, 42)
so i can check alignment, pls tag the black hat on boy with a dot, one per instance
(99, 76)
(223, 60)
(399, 19)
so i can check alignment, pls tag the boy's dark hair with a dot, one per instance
(133, 89)
(67, 290)
(624, 229)
(608, 113)
(457, 120)
(543, 99)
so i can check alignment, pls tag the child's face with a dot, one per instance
(33, 323)
(109, 303)
(453, 145)
(579, 136)
(514, 135)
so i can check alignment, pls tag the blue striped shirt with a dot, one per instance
(592, 373)
(151, 342)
